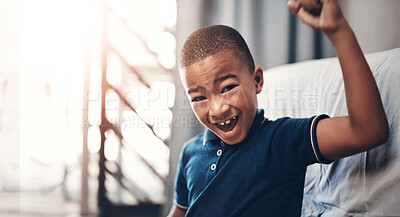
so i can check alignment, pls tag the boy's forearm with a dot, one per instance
(366, 113)
(366, 126)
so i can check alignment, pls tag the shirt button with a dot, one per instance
(213, 166)
(219, 152)
(222, 143)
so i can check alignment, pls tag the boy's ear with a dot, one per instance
(258, 78)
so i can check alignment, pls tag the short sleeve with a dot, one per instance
(181, 193)
(295, 145)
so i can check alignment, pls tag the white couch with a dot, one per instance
(366, 184)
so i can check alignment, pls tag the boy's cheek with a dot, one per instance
(243, 99)
(234, 96)
(200, 112)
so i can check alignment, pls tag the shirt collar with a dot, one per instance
(209, 136)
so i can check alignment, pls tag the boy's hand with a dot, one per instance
(329, 21)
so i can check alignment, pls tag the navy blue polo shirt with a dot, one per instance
(261, 176)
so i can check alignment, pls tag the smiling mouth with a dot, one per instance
(228, 124)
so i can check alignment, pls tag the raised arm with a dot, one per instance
(366, 125)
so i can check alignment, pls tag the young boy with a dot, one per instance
(246, 165)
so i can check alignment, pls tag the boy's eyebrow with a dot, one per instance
(195, 89)
(223, 78)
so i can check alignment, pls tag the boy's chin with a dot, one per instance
(231, 137)
(232, 141)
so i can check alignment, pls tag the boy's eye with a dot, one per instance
(228, 88)
(199, 98)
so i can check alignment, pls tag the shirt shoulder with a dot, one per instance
(192, 146)
(292, 142)
(271, 125)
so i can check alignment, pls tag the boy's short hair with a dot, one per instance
(211, 40)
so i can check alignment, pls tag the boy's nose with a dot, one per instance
(218, 110)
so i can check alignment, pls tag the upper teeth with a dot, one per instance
(226, 122)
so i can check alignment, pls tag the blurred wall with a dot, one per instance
(185, 124)
(375, 22)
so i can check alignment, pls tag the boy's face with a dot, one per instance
(223, 93)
